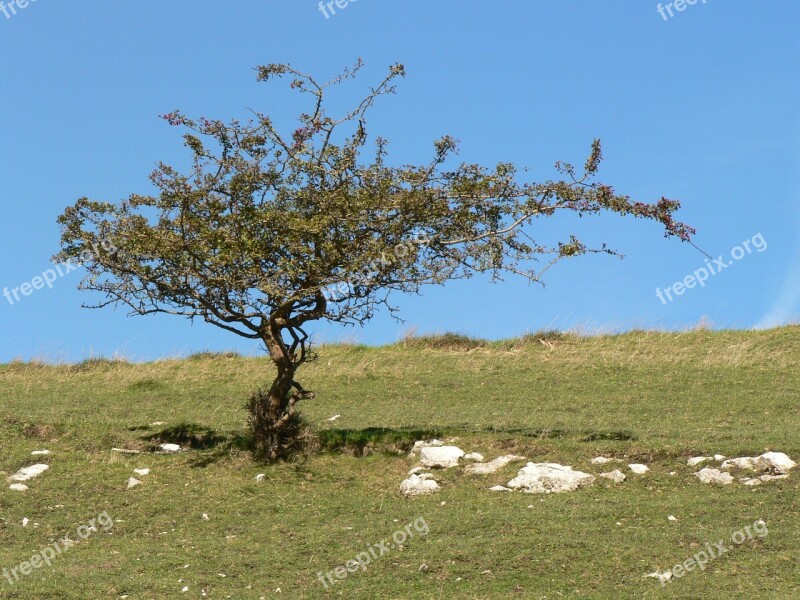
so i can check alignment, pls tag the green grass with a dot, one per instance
(644, 397)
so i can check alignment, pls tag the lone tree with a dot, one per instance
(268, 233)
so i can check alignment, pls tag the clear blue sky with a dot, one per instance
(702, 107)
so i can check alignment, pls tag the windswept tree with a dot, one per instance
(269, 233)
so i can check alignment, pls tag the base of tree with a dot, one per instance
(272, 442)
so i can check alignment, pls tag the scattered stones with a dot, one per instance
(40, 452)
(492, 466)
(133, 482)
(441, 456)
(603, 460)
(500, 488)
(697, 460)
(639, 469)
(616, 476)
(714, 476)
(418, 486)
(142, 472)
(27, 473)
(18, 487)
(474, 456)
(546, 478)
(170, 448)
(762, 479)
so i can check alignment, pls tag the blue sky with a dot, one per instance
(702, 107)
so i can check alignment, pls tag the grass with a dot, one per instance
(643, 397)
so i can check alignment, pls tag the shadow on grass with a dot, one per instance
(361, 442)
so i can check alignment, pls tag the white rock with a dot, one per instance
(133, 482)
(697, 460)
(417, 486)
(762, 479)
(616, 476)
(777, 462)
(743, 462)
(492, 466)
(474, 456)
(25, 522)
(27, 473)
(672, 518)
(261, 477)
(170, 448)
(416, 470)
(334, 417)
(142, 472)
(719, 457)
(500, 488)
(603, 460)
(40, 452)
(18, 487)
(545, 478)
(157, 423)
(662, 577)
(639, 469)
(205, 517)
(441, 456)
(419, 445)
(714, 476)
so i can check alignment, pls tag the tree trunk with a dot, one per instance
(275, 426)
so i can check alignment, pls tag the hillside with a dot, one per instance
(644, 397)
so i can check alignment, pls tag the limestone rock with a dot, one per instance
(616, 476)
(418, 486)
(714, 476)
(440, 456)
(546, 478)
(492, 466)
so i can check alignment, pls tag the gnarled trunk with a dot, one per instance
(276, 428)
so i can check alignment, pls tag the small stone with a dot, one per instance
(261, 477)
(40, 452)
(418, 486)
(500, 488)
(616, 476)
(697, 460)
(475, 457)
(441, 456)
(205, 517)
(125, 451)
(133, 482)
(492, 466)
(423, 568)
(603, 460)
(27, 473)
(25, 522)
(672, 518)
(639, 469)
(719, 457)
(142, 472)
(334, 417)
(18, 487)
(662, 577)
(714, 476)
(546, 478)
(170, 448)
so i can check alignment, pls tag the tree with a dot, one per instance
(267, 233)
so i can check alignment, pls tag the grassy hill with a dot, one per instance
(655, 398)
